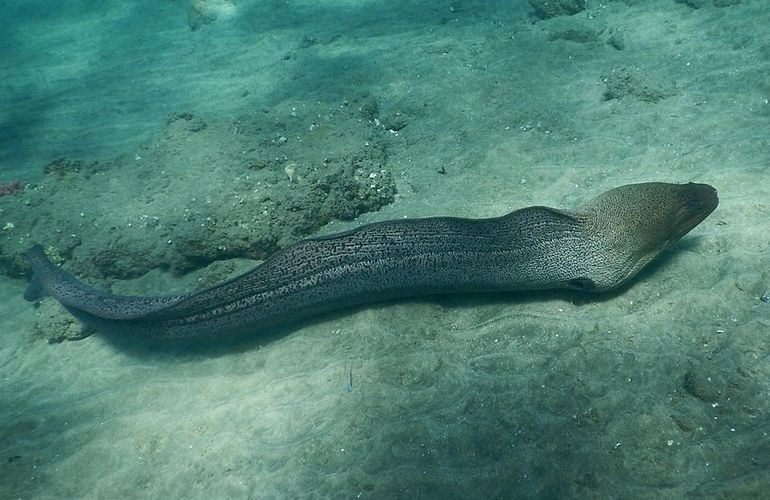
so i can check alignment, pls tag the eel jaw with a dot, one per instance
(697, 203)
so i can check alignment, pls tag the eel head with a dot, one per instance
(630, 225)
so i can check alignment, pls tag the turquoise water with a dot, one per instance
(167, 146)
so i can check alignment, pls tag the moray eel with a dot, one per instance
(597, 248)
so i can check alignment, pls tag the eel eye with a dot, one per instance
(584, 284)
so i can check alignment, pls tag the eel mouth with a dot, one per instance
(697, 203)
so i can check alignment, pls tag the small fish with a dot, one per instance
(349, 380)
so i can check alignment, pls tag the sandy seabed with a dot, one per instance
(659, 390)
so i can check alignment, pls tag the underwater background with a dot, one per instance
(159, 146)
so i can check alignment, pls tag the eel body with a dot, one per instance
(596, 248)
